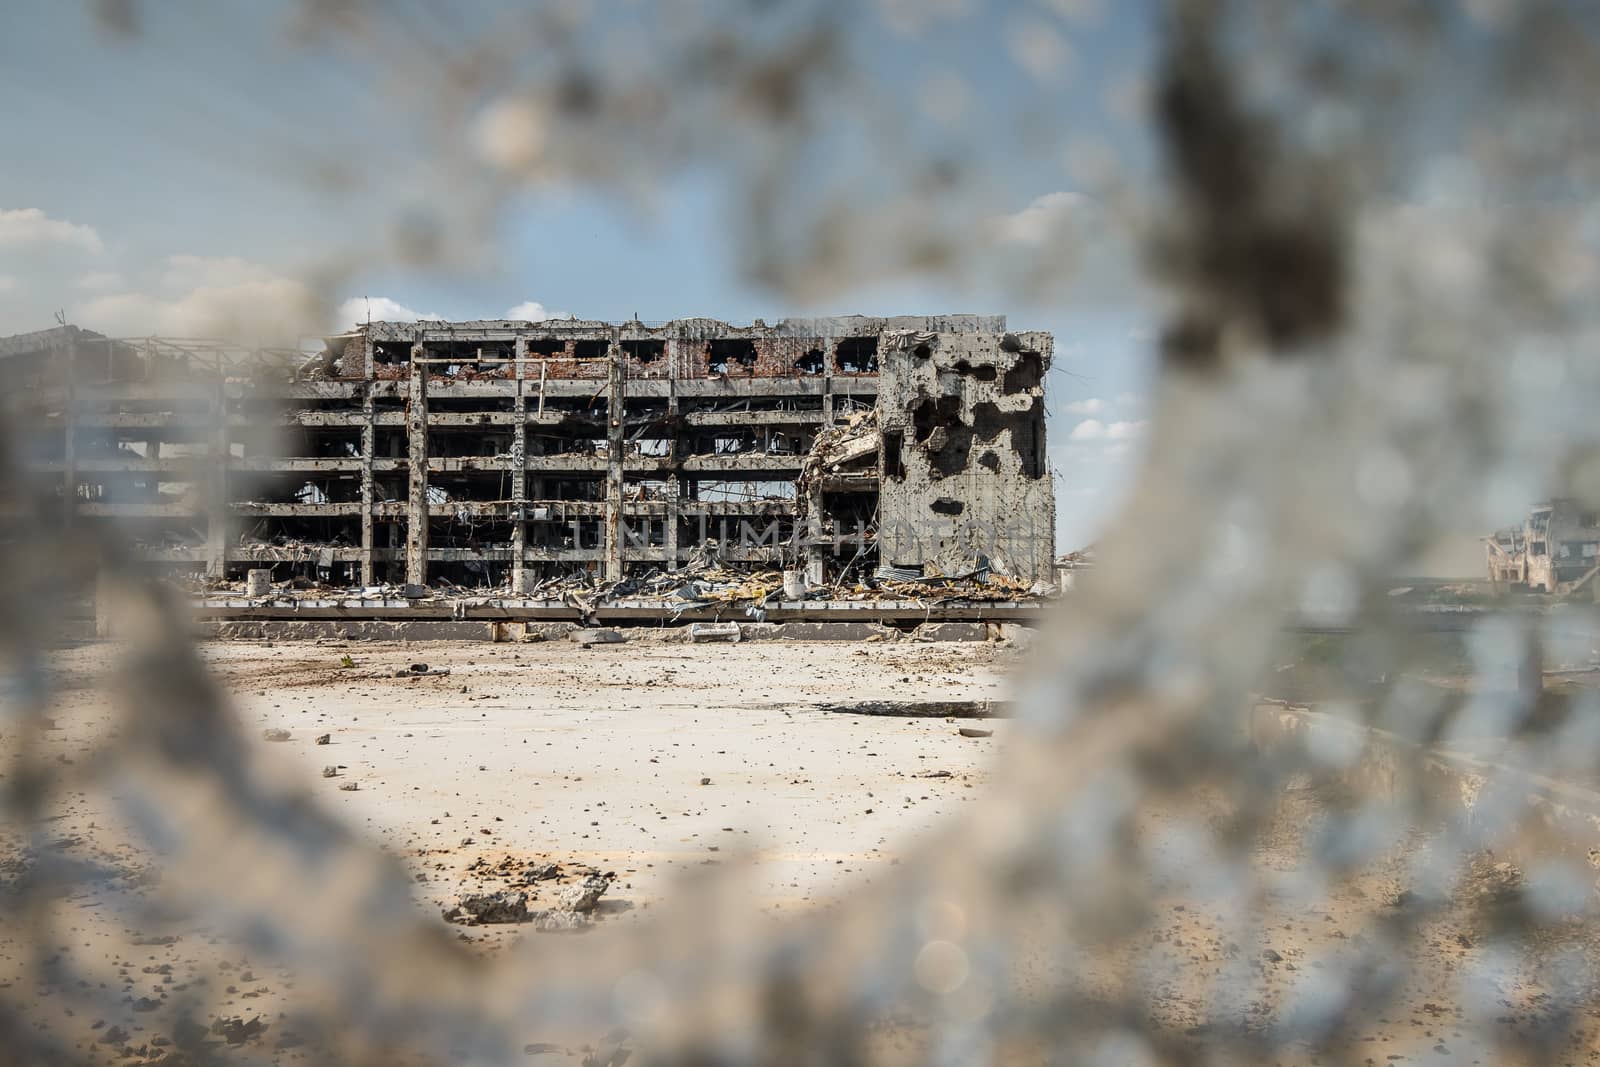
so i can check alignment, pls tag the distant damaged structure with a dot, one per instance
(515, 456)
(1555, 550)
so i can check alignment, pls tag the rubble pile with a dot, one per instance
(853, 446)
(713, 583)
(502, 892)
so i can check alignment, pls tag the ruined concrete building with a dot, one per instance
(504, 453)
(1555, 550)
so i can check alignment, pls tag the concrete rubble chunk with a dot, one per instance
(275, 733)
(236, 1031)
(583, 896)
(503, 906)
(715, 631)
(541, 872)
(590, 637)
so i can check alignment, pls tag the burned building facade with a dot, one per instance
(504, 453)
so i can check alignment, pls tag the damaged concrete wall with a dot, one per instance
(963, 466)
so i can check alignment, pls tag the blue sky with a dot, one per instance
(216, 171)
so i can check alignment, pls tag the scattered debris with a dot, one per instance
(275, 733)
(924, 709)
(323, 739)
(590, 638)
(520, 881)
(421, 670)
(973, 731)
(236, 1031)
(330, 771)
(505, 906)
(349, 787)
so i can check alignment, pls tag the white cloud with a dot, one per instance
(99, 281)
(1041, 218)
(28, 226)
(225, 297)
(271, 310)
(1092, 406)
(192, 272)
(533, 311)
(1095, 430)
(362, 309)
(1088, 430)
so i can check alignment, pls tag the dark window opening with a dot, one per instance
(922, 351)
(930, 414)
(988, 422)
(938, 428)
(495, 351)
(983, 372)
(588, 349)
(1026, 373)
(893, 465)
(391, 352)
(946, 506)
(737, 349)
(646, 351)
(546, 346)
(810, 363)
(990, 461)
(857, 355)
(1536, 548)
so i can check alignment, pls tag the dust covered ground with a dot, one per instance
(540, 769)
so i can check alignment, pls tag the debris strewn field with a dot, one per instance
(537, 791)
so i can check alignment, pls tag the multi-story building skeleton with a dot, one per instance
(1555, 550)
(503, 453)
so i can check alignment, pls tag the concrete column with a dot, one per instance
(217, 487)
(519, 475)
(615, 410)
(815, 558)
(369, 437)
(672, 512)
(417, 502)
(69, 454)
(673, 491)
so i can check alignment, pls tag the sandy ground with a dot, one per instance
(598, 755)
(647, 760)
